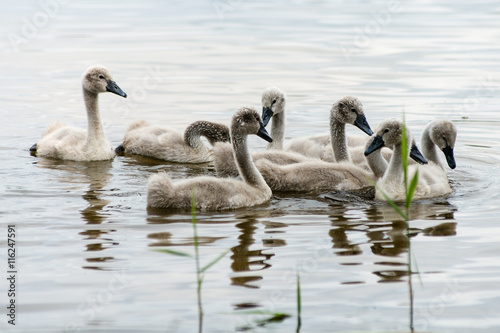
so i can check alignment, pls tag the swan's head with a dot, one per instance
(444, 133)
(349, 110)
(273, 101)
(97, 79)
(390, 133)
(248, 121)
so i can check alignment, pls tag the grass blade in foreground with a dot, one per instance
(299, 304)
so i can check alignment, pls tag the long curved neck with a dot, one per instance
(338, 140)
(377, 163)
(394, 172)
(212, 131)
(244, 162)
(95, 134)
(428, 147)
(277, 131)
(192, 136)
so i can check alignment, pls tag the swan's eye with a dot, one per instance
(353, 110)
(273, 102)
(386, 130)
(101, 76)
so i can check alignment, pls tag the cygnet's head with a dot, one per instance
(349, 110)
(390, 133)
(97, 79)
(444, 133)
(248, 121)
(273, 101)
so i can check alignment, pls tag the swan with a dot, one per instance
(63, 142)
(211, 193)
(273, 106)
(142, 138)
(333, 147)
(441, 134)
(432, 180)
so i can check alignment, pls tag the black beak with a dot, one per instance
(263, 133)
(417, 155)
(267, 114)
(113, 87)
(450, 158)
(377, 143)
(362, 124)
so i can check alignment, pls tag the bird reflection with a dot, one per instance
(245, 260)
(386, 232)
(166, 239)
(96, 175)
(340, 241)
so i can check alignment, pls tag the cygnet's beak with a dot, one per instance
(417, 155)
(450, 158)
(263, 133)
(113, 87)
(377, 143)
(267, 114)
(362, 124)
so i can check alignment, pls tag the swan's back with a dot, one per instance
(211, 194)
(314, 176)
(61, 141)
(145, 139)
(313, 147)
(162, 143)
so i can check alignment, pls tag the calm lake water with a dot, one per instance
(86, 243)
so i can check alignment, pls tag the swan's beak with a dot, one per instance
(263, 133)
(377, 143)
(267, 114)
(450, 158)
(362, 124)
(113, 87)
(417, 155)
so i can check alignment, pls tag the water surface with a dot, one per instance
(86, 240)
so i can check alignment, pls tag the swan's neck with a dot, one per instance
(95, 133)
(338, 139)
(277, 131)
(428, 147)
(192, 136)
(395, 172)
(377, 163)
(244, 161)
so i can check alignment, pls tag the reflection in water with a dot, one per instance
(386, 231)
(246, 260)
(97, 175)
(273, 228)
(166, 239)
(340, 241)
